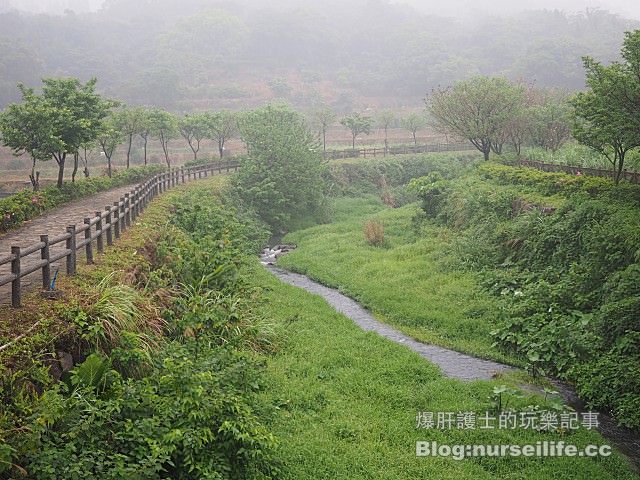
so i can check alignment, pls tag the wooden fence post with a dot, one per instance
(71, 246)
(88, 247)
(16, 294)
(100, 238)
(46, 267)
(122, 216)
(116, 219)
(182, 173)
(127, 210)
(109, 225)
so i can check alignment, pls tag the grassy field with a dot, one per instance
(346, 403)
(408, 283)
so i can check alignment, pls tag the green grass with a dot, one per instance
(346, 403)
(408, 283)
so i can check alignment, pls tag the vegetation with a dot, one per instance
(26, 205)
(606, 116)
(166, 379)
(282, 177)
(357, 124)
(347, 401)
(479, 110)
(55, 123)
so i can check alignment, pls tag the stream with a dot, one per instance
(453, 364)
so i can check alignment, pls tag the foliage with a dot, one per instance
(55, 123)
(413, 123)
(374, 232)
(163, 125)
(478, 110)
(357, 124)
(283, 177)
(25, 205)
(606, 116)
(192, 418)
(565, 277)
(222, 127)
(193, 128)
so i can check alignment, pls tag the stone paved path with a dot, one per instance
(52, 223)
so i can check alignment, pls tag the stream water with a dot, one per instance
(453, 364)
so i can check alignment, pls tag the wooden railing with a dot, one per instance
(397, 150)
(107, 225)
(632, 177)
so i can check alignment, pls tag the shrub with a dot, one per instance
(374, 232)
(26, 205)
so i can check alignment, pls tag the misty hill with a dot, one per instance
(184, 54)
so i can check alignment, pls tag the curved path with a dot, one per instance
(53, 222)
(454, 364)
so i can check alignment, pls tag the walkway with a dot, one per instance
(52, 223)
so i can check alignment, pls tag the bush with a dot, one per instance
(374, 232)
(26, 205)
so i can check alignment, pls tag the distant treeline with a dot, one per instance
(181, 54)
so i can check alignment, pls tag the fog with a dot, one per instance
(462, 9)
(200, 54)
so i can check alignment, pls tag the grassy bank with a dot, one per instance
(345, 405)
(408, 283)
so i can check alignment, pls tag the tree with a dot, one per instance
(222, 126)
(324, 117)
(357, 124)
(385, 120)
(128, 121)
(145, 131)
(28, 128)
(194, 128)
(109, 139)
(478, 110)
(413, 123)
(607, 116)
(550, 124)
(68, 114)
(163, 126)
(282, 178)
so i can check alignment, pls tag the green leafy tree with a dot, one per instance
(282, 178)
(413, 123)
(478, 110)
(324, 118)
(129, 122)
(193, 128)
(109, 139)
(607, 116)
(357, 124)
(385, 120)
(28, 128)
(71, 113)
(163, 125)
(222, 126)
(145, 131)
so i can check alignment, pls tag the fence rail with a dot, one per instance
(105, 225)
(398, 150)
(632, 177)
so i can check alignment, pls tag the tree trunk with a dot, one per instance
(221, 148)
(34, 177)
(129, 150)
(108, 165)
(60, 162)
(76, 157)
(145, 151)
